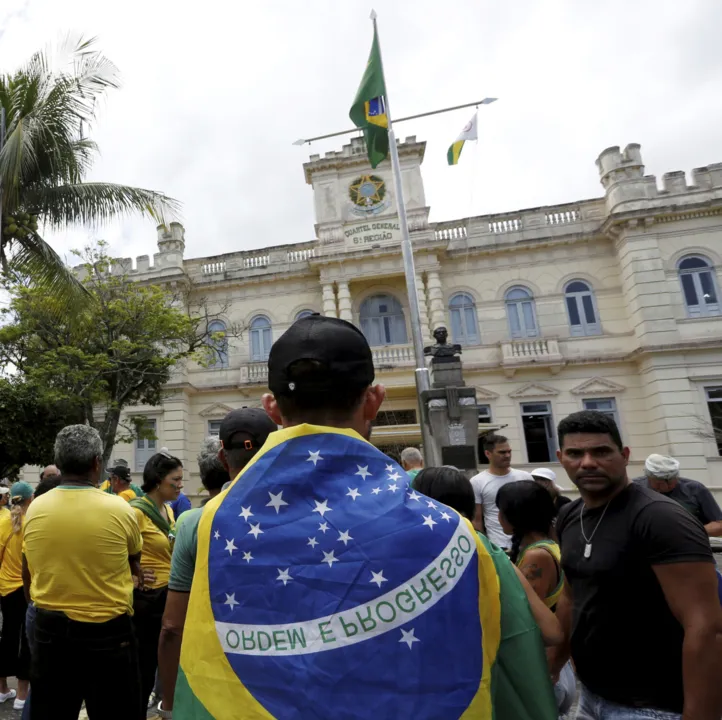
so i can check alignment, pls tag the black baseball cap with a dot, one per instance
(246, 429)
(338, 346)
(121, 471)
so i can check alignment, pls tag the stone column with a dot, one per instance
(344, 301)
(329, 300)
(423, 310)
(436, 300)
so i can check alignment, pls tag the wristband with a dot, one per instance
(164, 713)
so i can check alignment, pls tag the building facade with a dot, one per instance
(611, 303)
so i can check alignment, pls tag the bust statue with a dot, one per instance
(442, 352)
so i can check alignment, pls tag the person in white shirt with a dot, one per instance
(486, 485)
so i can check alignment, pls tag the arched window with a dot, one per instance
(521, 313)
(464, 325)
(261, 338)
(581, 309)
(699, 286)
(218, 342)
(303, 314)
(382, 320)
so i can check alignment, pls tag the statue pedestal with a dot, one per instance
(446, 374)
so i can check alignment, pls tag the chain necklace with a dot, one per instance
(588, 540)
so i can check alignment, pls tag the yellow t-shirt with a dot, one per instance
(11, 556)
(156, 548)
(127, 495)
(77, 541)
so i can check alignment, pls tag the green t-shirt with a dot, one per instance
(412, 474)
(185, 549)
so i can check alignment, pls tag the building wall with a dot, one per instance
(649, 356)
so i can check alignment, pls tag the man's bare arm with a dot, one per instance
(169, 646)
(478, 522)
(714, 529)
(691, 591)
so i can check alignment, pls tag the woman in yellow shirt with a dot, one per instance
(162, 480)
(14, 649)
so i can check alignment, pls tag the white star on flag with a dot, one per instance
(247, 557)
(353, 493)
(323, 527)
(363, 471)
(328, 557)
(445, 516)
(344, 537)
(322, 508)
(378, 578)
(216, 535)
(389, 468)
(255, 530)
(409, 637)
(314, 457)
(428, 520)
(393, 487)
(230, 546)
(413, 495)
(431, 504)
(376, 491)
(312, 542)
(395, 477)
(283, 576)
(246, 512)
(276, 501)
(231, 600)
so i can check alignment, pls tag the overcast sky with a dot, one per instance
(214, 93)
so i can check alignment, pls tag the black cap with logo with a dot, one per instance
(343, 354)
(245, 429)
(121, 471)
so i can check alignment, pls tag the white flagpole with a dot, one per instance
(421, 373)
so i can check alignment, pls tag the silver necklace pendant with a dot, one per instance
(588, 550)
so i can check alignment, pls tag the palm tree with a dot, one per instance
(48, 105)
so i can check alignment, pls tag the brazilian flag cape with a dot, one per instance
(326, 588)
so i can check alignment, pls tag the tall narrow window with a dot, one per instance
(714, 405)
(145, 448)
(214, 427)
(521, 313)
(699, 286)
(464, 324)
(218, 342)
(608, 406)
(261, 338)
(581, 309)
(382, 321)
(536, 419)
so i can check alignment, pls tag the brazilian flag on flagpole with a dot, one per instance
(368, 111)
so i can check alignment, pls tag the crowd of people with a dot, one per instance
(321, 579)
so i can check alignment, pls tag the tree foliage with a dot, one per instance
(49, 105)
(119, 352)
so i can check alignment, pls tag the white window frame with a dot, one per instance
(214, 428)
(145, 448)
(549, 424)
(613, 411)
(701, 309)
(485, 412)
(384, 325)
(220, 347)
(261, 333)
(585, 328)
(517, 305)
(466, 338)
(303, 313)
(713, 401)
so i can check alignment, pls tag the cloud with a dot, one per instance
(214, 94)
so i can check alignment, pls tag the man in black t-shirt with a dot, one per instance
(640, 604)
(662, 474)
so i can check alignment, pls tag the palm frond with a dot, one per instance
(33, 258)
(93, 203)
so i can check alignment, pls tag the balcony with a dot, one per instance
(542, 352)
(254, 373)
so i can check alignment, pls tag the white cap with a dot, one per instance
(662, 467)
(4, 490)
(545, 473)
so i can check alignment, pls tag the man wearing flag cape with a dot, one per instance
(325, 587)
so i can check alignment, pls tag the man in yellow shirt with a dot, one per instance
(119, 482)
(80, 547)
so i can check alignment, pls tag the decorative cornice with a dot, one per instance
(217, 410)
(534, 390)
(598, 386)
(484, 394)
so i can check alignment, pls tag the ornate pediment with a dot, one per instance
(598, 386)
(217, 410)
(534, 390)
(484, 394)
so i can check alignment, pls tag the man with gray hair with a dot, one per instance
(412, 461)
(82, 547)
(661, 473)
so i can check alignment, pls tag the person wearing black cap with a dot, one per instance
(242, 433)
(118, 482)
